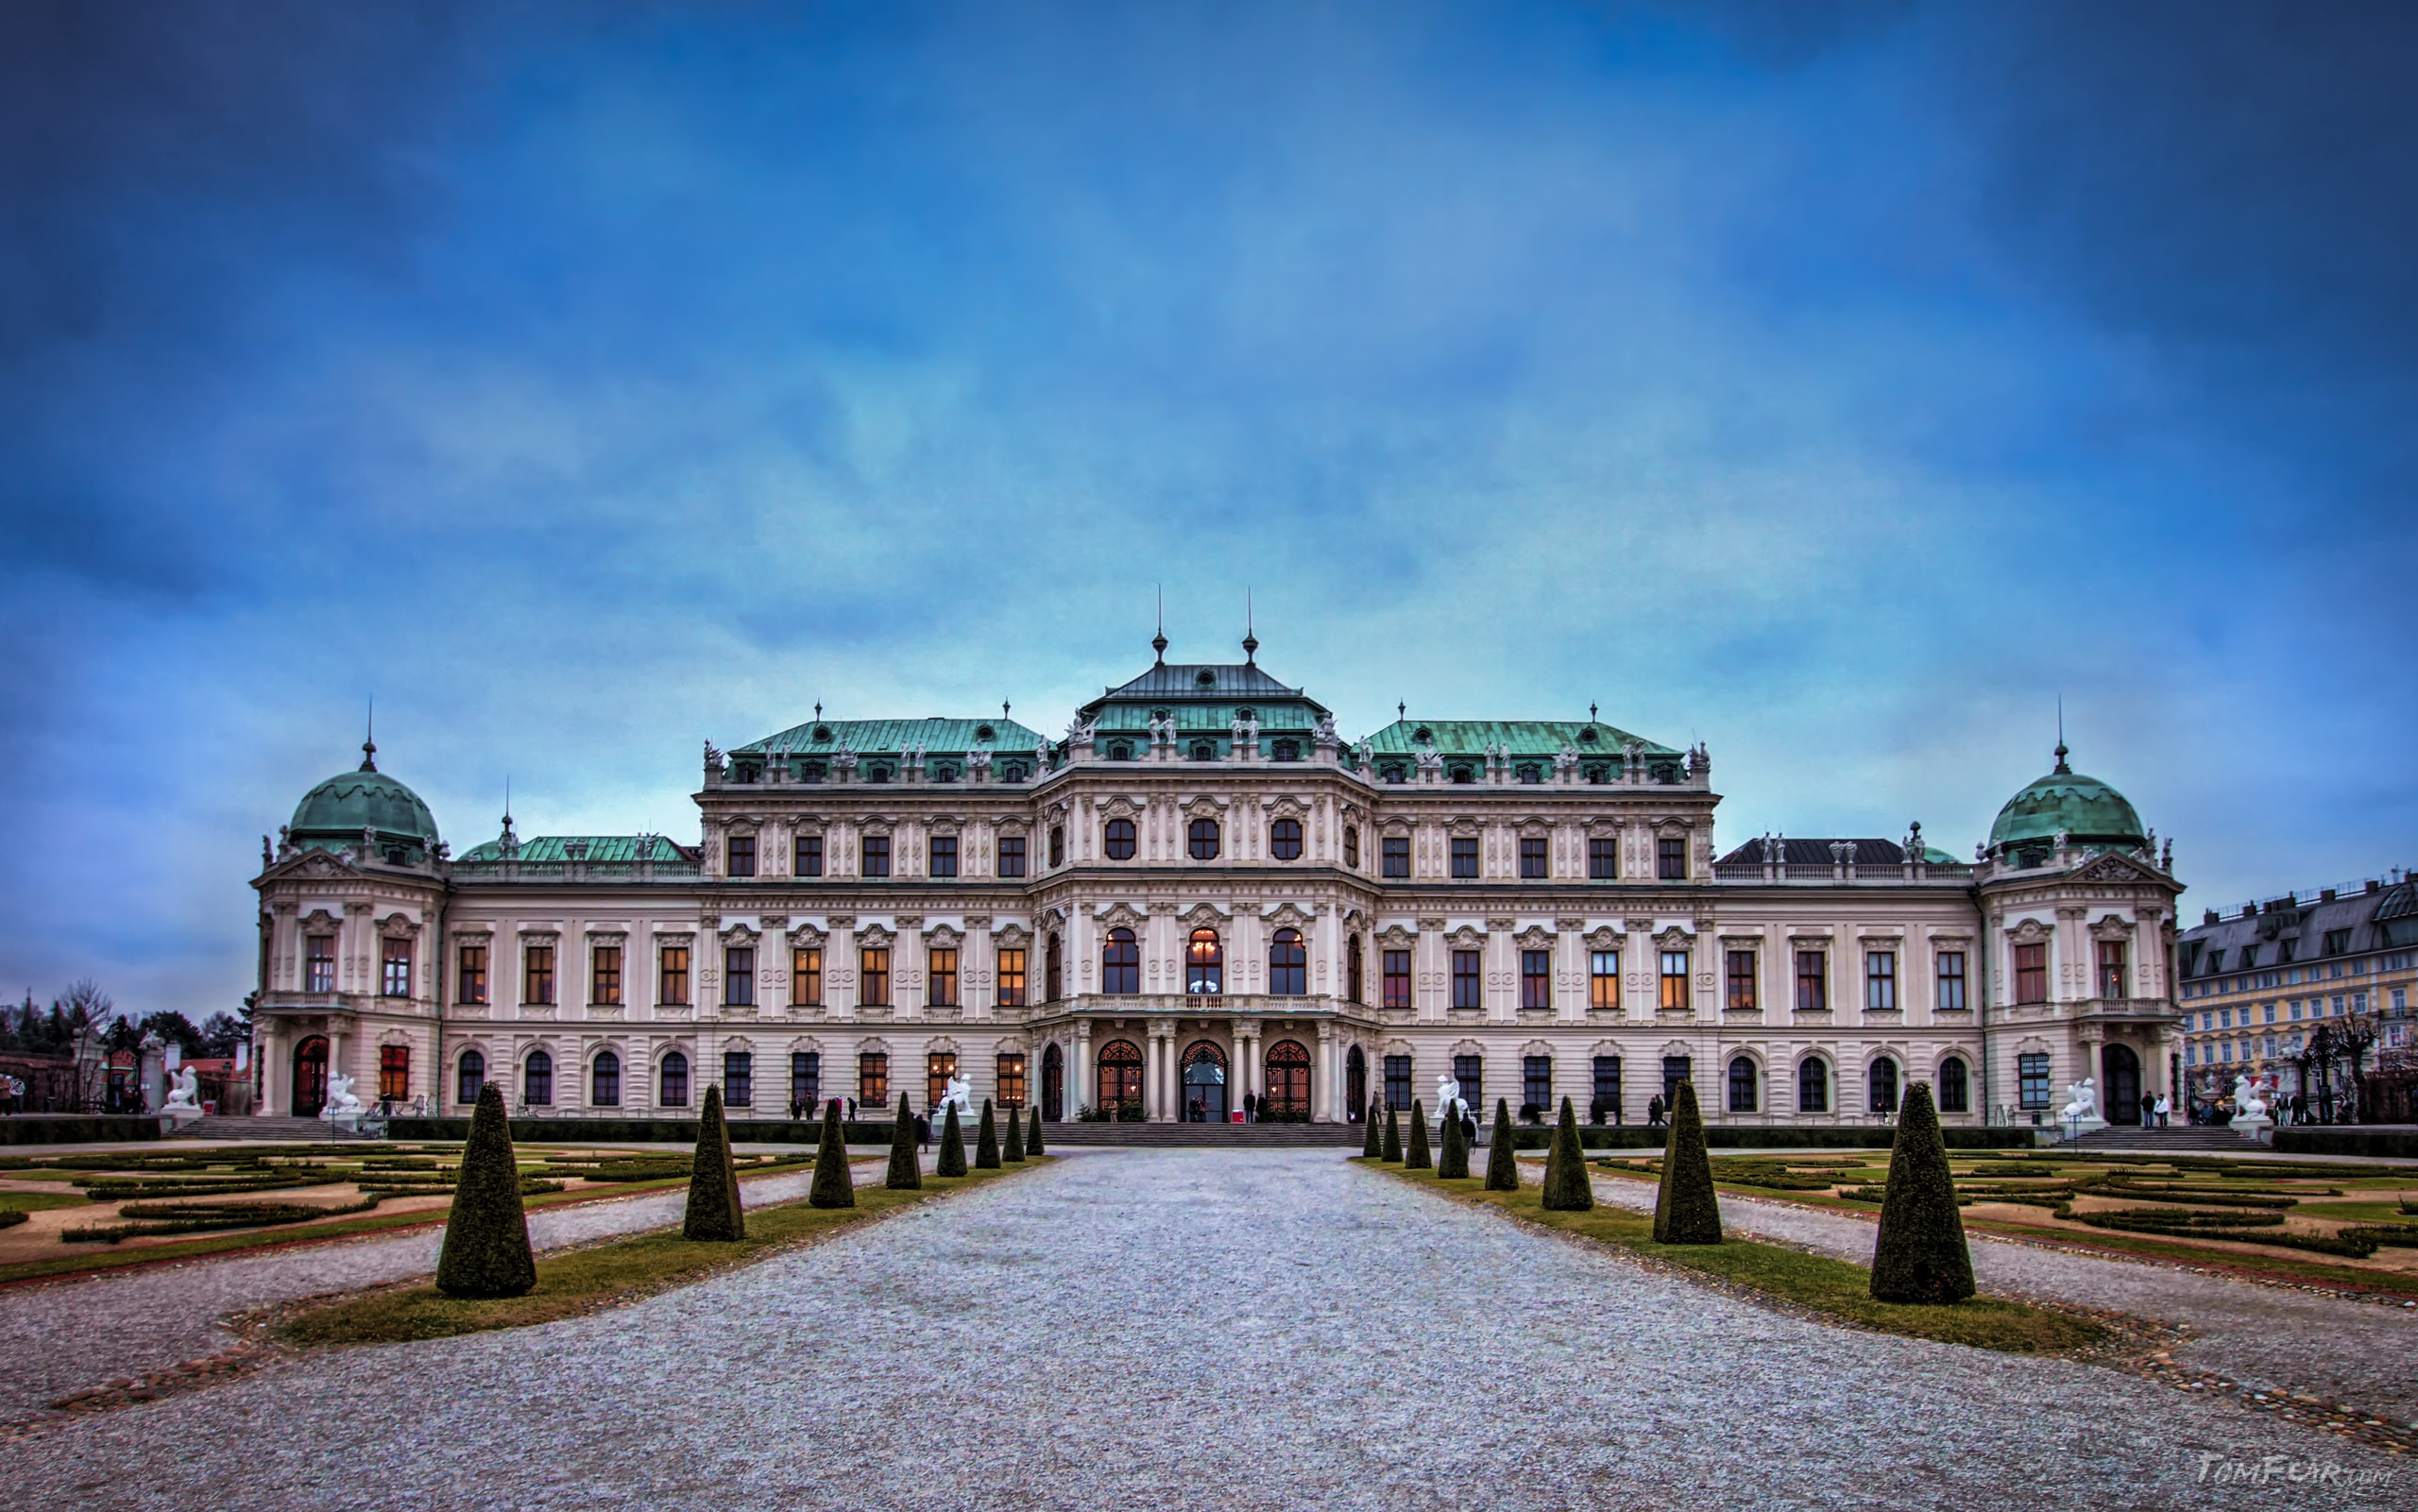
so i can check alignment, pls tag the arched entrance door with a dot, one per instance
(2120, 1084)
(1120, 1077)
(1288, 1083)
(309, 1077)
(1204, 1084)
(1356, 1080)
(1054, 1082)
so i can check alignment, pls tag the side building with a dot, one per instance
(1203, 892)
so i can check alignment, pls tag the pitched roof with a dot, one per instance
(605, 848)
(937, 734)
(1797, 852)
(1207, 680)
(1545, 738)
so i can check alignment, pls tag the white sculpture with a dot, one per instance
(1162, 730)
(1079, 731)
(1428, 759)
(1245, 730)
(342, 1106)
(843, 760)
(2082, 1102)
(2248, 1106)
(1566, 761)
(979, 760)
(183, 1098)
(959, 1095)
(1448, 1098)
(1325, 734)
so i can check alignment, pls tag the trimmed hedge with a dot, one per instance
(1373, 1138)
(986, 1141)
(906, 1168)
(2397, 1143)
(76, 1129)
(1686, 1208)
(1416, 1158)
(1502, 1163)
(714, 1212)
(1391, 1150)
(1012, 1154)
(1032, 1145)
(1920, 1255)
(485, 1251)
(1751, 1136)
(625, 1130)
(1567, 1187)
(834, 1185)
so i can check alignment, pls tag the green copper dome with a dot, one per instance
(2087, 810)
(335, 812)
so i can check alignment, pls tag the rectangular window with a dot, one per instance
(805, 1079)
(2111, 969)
(1603, 859)
(1604, 981)
(2032, 1082)
(1813, 981)
(738, 975)
(1397, 964)
(739, 1078)
(806, 976)
(1467, 980)
(394, 1073)
(742, 856)
(1057, 844)
(1608, 1088)
(604, 975)
(1011, 856)
(1470, 1071)
(395, 969)
(474, 962)
(320, 963)
(1532, 857)
(1011, 1093)
(1671, 860)
(944, 850)
(1396, 855)
(1675, 981)
(1881, 980)
(1350, 844)
(873, 974)
(1951, 978)
(2337, 942)
(1398, 1082)
(1535, 1083)
(2225, 1018)
(876, 853)
(2032, 973)
(938, 1067)
(810, 856)
(1742, 980)
(941, 979)
(1535, 979)
(1465, 856)
(1011, 978)
(675, 974)
(538, 973)
(873, 1080)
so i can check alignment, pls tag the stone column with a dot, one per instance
(1328, 1094)
(1080, 1091)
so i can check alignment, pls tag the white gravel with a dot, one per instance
(1175, 1329)
(2273, 1337)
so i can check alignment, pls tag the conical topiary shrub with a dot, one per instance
(1922, 1255)
(713, 1211)
(835, 1187)
(952, 1157)
(1567, 1189)
(1503, 1160)
(906, 1171)
(1417, 1158)
(1452, 1160)
(1393, 1138)
(1033, 1146)
(486, 1234)
(1686, 1208)
(1013, 1154)
(1373, 1138)
(986, 1141)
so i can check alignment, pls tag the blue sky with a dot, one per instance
(1838, 384)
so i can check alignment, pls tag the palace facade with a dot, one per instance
(1202, 891)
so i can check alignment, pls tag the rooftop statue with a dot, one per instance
(1325, 732)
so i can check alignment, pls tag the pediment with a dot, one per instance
(1288, 916)
(1203, 916)
(1535, 937)
(1123, 916)
(2114, 866)
(1394, 937)
(804, 934)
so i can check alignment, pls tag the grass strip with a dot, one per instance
(1833, 1288)
(624, 1270)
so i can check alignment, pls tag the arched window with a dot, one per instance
(604, 1079)
(1284, 839)
(1204, 839)
(1355, 1083)
(1288, 1083)
(1120, 963)
(1813, 1086)
(1954, 1095)
(675, 1080)
(1204, 964)
(1357, 980)
(1053, 1083)
(1117, 838)
(1742, 1083)
(537, 1079)
(1288, 964)
(469, 1077)
(1204, 1084)
(1053, 970)
(1882, 1082)
(1119, 1077)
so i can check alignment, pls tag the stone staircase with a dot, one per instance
(279, 1130)
(2177, 1138)
(1200, 1136)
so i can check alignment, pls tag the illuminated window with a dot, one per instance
(538, 973)
(394, 1073)
(676, 974)
(1204, 964)
(940, 978)
(1674, 979)
(395, 969)
(472, 960)
(1535, 979)
(873, 1077)
(873, 974)
(1397, 978)
(604, 975)
(319, 964)
(1740, 978)
(1012, 977)
(1011, 1076)
(806, 976)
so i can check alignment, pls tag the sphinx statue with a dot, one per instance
(184, 1098)
(2082, 1102)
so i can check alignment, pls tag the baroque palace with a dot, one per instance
(1202, 891)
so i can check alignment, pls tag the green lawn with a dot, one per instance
(39, 1202)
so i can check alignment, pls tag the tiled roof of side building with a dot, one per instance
(1794, 851)
(2384, 919)
(1543, 737)
(938, 736)
(603, 848)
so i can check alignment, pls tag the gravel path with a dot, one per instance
(72, 1335)
(2273, 1338)
(1176, 1330)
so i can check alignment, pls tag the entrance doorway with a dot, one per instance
(1356, 1084)
(1053, 1080)
(1204, 1084)
(309, 1077)
(1120, 1080)
(1288, 1083)
(2120, 1084)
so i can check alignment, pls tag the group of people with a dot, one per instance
(2154, 1112)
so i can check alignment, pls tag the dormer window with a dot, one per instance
(877, 773)
(2287, 952)
(1013, 771)
(1204, 749)
(1464, 774)
(1598, 774)
(1288, 751)
(2249, 957)
(1422, 735)
(2215, 961)
(2337, 942)
(1204, 679)
(984, 732)
(822, 734)
(1120, 752)
(1394, 773)
(943, 774)
(814, 771)
(1587, 736)
(1530, 773)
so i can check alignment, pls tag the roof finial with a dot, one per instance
(507, 803)
(1159, 641)
(1003, 708)
(1402, 709)
(2061, 735)
(818, 711)
(1591, 713)
(1251, 641)
(369, 739)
